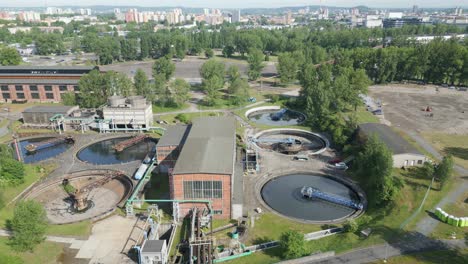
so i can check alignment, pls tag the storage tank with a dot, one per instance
(137, 101)
(116, 100)
(141, 171)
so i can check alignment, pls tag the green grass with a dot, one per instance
(364, 116)
(437, 256)
(9, 193)
(3, 122)
(455, 145)
(81, 229)
(162, 109)
(46, 252)
(170, 118)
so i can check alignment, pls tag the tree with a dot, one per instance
(287, 67)
(233, 73)
(351, 226)
(180, 91)
(209, 53)
(292, 244)
(375, 164)
(28, 225)
(9, 56)
(255, 60)
(165, 67)
(68, 98)
(239, 90)
(444, 170)
(47, 44)
(142, 86)
(212, 71)
(11, 171)
(180, 46)
(228, 50)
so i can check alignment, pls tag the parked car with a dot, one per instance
(301, 158)
(341, 166)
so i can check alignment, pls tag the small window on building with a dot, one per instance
(34, 95)
(33, 88)
(5, 88)
(6, 95)
(218, 212)
(19, 87)
(20, 95)
(63, 88)
(48, 88)
(76, 88)
(49, 95)
(420, 162)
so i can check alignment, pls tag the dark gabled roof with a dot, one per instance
(392, 139)
(174, 136)
(153, 246)
(209, 148)
(56, 109)
(39, 81)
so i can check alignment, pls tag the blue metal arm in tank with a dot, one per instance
(311, 192)
(274, 140)
(278, 115)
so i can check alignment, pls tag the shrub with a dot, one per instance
(182, 118)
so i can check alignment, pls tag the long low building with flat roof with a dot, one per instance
(39, 83)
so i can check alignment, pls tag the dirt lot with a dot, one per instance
(403, 106)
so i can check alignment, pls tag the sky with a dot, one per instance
(239, 3)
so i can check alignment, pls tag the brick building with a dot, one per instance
(39, 83)
(205, 168)
(169, 146)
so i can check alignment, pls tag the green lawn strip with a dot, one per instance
(3, 122)
(81, 229)
(162, 109)
(456, 145)
(364, 116)
(46, 252)
(436, 256)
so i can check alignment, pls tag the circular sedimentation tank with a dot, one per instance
(101, 200)
(283, 195)
(102, 153)
(42, 154)
(275, 116)
(291, 141)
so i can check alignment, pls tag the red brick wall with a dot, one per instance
(40, 90)
(223, 204)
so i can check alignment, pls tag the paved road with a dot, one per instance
(428, 223)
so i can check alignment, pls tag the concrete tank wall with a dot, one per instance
(116, 100)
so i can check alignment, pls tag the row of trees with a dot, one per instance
(9, 56)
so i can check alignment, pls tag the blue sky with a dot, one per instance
(240, 3)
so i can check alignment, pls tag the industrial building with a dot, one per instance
(206, 166)
(39, 83)
(131, 112)
(404, 154)
(154, 252)
(41, 115)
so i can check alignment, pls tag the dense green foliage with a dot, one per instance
(9, 56)
(255, 60)
(374, 164)
(68, 98)
(11, 171)
(212, 72)
(28, 225)
(292, 244)
(444, 170)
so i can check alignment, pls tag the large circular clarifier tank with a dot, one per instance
(283, 195)
(304, 142)
(102, 153)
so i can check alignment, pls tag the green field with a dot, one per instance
(46, 252)
(455, 145)
(162, 109)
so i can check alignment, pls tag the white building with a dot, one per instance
(154, 252)
(131, 112)
(373, 21)
(397, 15)
(236, 16)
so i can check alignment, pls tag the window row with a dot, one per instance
(22, 96)
(203, 189)
(47, 88)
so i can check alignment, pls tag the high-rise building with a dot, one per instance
(415, 9)
(236, 16)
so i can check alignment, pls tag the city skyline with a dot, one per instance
(243, 3)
